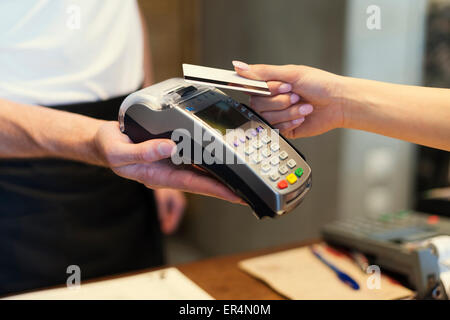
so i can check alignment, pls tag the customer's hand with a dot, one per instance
(305, 101)
(147, 163)
(171, 204)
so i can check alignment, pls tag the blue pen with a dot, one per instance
(341, 275)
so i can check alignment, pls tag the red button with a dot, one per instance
(282, 184)
(433, 219)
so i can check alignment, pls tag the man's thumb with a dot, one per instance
(147, 151)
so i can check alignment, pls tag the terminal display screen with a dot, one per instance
(222, 116)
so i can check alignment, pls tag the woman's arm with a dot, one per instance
(306, 101)
(411, 113)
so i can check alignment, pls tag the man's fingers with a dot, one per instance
(190, 181)
(144, 152)
(180, 202)
(162, 208)
(162, 174)
(174, 216)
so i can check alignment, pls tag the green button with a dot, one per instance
(299, 172)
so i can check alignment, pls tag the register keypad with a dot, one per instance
(266, 153)
(249, 150)
(257, 158)
(283, 155)
(291, 163)
(275, 147)
(274, 176)
(266, 139)
(273, 162)
(283, 170)
(257, 144)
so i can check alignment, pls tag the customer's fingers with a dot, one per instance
(277, 87)
(291, 113)
(288, 126)
(287, 73)
(278, 102)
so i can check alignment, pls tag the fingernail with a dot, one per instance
(165, 149)
(241, 65)
(285, 87)
(298, 121)
(294, 98)
(305, 109)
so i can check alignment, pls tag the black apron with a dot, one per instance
(55, 213)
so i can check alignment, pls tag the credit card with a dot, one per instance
(221, 78)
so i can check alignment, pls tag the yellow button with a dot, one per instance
(291, 178)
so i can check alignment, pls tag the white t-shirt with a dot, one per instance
(67, 51)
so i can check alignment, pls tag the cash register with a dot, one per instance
(399, 243)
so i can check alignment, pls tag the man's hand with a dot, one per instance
(147, 163)
(171, 204)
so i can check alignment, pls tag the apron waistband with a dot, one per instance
(103, 109)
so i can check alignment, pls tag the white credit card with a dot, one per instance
(223, 79)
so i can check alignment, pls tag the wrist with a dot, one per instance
(96, 152)
(80, 143)
(349, 100)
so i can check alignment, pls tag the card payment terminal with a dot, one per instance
(248, 156)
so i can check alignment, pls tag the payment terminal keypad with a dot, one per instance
(273, 163)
